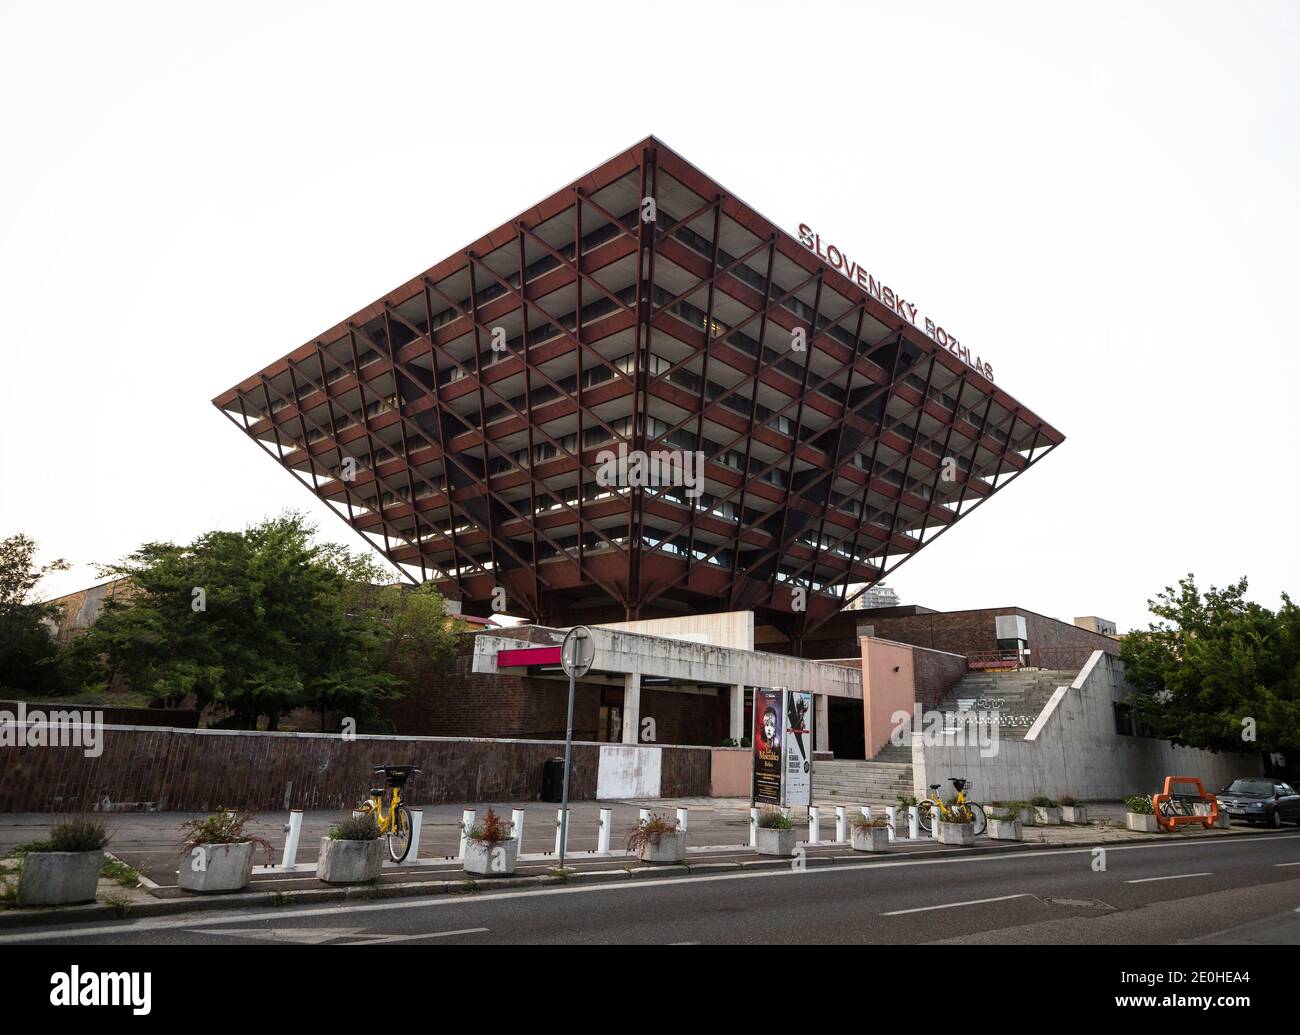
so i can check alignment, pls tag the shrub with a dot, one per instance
(649, 831)
(491, 831)
(1068, 799)
(355, 828)
(1041, 801)
(861, 822)
(1002, 817)
(775, 819)
(76, 835)
(965, 819)
(1140, 804)
(223, 827)
(906, 801)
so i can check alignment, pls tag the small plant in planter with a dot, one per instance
(1022, 811)
(65, 868)
(656, 839)
(906, 801)
(1005, 825)
(218, 854)
(352, 853)
(1140, 814)
(1072, 809)
(1046, 811)
(956, 832)
(491, 848)
(870, 835)
(775, 833)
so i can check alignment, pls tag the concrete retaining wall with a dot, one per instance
(1073, 748)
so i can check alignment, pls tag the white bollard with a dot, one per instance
(645, 814)
(602, 838)
(288, 861)
(934, 824)
(753, 828)
(467, 818)
(866, 812)
(814, 824)
(913, 823)
(683, 820)
(840, 826)
(517, 827)
(891, 814)
(417, 821)
(559, 815)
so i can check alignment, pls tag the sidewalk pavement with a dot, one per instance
(718, 835)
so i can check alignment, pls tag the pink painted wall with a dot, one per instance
(884, 691)
(731, 775)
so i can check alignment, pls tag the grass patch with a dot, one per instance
(119, 872)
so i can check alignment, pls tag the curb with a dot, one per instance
(17, 919)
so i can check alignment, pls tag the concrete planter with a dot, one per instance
(1048, 815)
(1006, 830)
(1074, 813)
(870, 839)
(776, 842)
(1027, 816)
(59, 878)
(349, 862)
(1140, 822)
(209, 868)
(1224, 822)
(667, 848)
(488, 859)
(956, 833)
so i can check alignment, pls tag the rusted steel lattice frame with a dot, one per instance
(905, 457)
(381, 483)
(761, 367)
(324, 388)
(477, 325)
(645, 286)
(247, 428)
(855, 411)
(974, 506)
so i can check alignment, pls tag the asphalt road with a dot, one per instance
(1233, 890)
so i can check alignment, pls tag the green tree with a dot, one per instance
(26, 646)
(1217, 665)
(260, 622)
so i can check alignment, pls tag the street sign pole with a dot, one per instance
(576, 656)
(568, 757)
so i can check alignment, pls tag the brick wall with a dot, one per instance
(197, 770)
(968, 632)
(935, 673)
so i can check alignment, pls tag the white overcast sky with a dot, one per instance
(1099, 199)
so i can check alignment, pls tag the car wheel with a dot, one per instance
(1275, 820)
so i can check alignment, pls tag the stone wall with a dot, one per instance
(197, 770)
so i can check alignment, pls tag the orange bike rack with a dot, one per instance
(1173, 822)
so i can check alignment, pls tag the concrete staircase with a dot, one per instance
(850, 782)
(1017, 696)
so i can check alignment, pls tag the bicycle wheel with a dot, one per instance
(980, 820)
(924, 811)
(399, 835)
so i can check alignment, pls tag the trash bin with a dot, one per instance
(553, 780)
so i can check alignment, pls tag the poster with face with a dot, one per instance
(769, 707)
(797, 748)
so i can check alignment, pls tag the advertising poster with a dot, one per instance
(797, 751)
(769, 709)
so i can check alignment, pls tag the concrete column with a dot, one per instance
(822, 722)
(631, 707)
(737, 713)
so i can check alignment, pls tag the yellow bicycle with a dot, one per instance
(396, 825)
(960, 810)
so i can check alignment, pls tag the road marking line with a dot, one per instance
(1172, 876)
(422, 902)
(1287, 864)
(954, 905)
